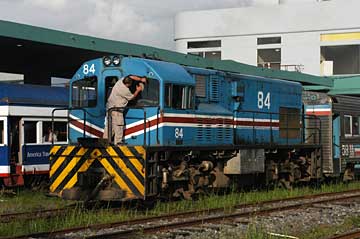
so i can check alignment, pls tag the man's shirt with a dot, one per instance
(120, 95)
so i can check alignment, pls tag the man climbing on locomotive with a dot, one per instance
(119, 97)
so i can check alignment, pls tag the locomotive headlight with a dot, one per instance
(116, 60)
(107, 61)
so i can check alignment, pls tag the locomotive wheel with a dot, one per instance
(285, 183)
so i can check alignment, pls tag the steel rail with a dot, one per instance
(348, 235)
(30, 215)
(178, 215)
(211, 219)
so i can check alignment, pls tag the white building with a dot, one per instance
(314, 36)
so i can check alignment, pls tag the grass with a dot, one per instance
(229, 200)
(26, 201)
(325, 231)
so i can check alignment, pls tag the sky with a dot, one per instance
(148, 22)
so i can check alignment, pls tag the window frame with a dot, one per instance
(80, 105)
(350, 126)
(187, 100)
(55, 121)
(151, 82)
(4, 121)
(268, 38)
(202, 44)
(39, 131)
(355, 134)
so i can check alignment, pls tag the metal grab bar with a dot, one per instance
(146, 121)
(68, 119)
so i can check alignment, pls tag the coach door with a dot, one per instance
(179, 115)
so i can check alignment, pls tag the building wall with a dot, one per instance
(300, 27)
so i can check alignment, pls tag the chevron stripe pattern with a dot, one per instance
(125, 164)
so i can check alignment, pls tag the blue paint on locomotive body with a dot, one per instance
(229, 108)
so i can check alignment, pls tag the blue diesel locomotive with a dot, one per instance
(190, 130)
(25, 122)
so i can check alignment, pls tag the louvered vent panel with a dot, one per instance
(214, 90)
(200, 87)
(326, 142)
(199, 130)
(207, 133)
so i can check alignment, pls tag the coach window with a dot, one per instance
(58, 135)
(179, 96)
(1, 132)
(355, 126)
(84, 92)
(30, 132)
(347, 125)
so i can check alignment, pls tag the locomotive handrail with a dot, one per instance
(287, 128)
(68, 119)
(146, 121)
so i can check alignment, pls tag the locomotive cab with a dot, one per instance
(168, 89)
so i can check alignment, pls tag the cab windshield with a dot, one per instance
(84, 92)
(149, 96)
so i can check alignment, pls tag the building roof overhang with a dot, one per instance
(28, 48)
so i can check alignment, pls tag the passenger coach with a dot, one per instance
(25, 131)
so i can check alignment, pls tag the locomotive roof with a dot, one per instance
(33, 95)
(202, 71)
(169, 72)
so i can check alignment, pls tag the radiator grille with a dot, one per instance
(206, 133)
(200, 86)
(214, 90)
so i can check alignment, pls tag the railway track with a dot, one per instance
(49, 213)
(6, 218)
(348, 235)
(194, 218)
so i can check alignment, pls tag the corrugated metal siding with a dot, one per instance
(316, 98)
(346, 104)
(326, 139)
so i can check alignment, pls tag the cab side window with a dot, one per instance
(149, 96)
(179, 96)
(84, 92)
